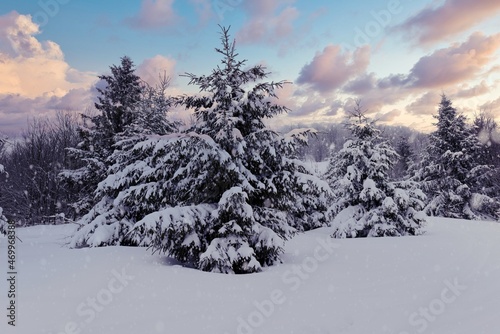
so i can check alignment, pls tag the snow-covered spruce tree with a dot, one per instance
(150, 113)
(140, 176)
(486, 129)
(365, 202)
(236, 189)
(401, 168)
(452, 175)
(116, 109)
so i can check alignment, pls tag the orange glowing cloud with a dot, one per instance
(32, 68)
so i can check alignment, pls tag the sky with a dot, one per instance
(396, 56)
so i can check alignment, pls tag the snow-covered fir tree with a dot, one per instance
(116, 110)
(150, 113)
(452, 172)
(486, 129)
(365, 202)
(222, 196)
(271, 190)
(401, 168)
(118, 100)
(135, 183)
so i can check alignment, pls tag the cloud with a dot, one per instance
(331, 69)
(434, 24)
(31, 68)
(464, 91)
(75, 100)
(304, 103)
(17, 38)
(449, 69)
(36, 80)
(268, 21)
(387, 117)
(493, 107)
(311, 105)
(151, 69)
(203, 9)
(334, 108)
(460, 70)
(457, 63)
(260, 8)
(16, 110)
(426, 104)
(154, 14)
(361, 84)
(376, 99)
(285, 96)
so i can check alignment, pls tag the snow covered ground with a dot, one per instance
(447, 281)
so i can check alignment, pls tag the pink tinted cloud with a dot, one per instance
(257, 8)
(308, 107)
(452, 17)
(269, 21)
(467, 92)
(154, 14)
(332, 68)
(151, 69)
(16, 110)
(306, 103)
(361, 84)
(454, 70)
(455, 64)
(425, 104)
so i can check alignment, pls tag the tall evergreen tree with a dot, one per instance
(453, 175)
(116, 110)
(118, 100)
(401, 168)
(365, 203)
(272, 189)
(129, 190)
(487, 131)
(225, 194)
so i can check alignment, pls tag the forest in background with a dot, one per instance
(32, 193)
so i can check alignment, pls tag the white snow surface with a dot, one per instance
(355, 286)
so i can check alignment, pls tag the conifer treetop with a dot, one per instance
(359, 124)
(233, 102)
(120, 96)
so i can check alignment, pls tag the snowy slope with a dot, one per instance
(446, 281)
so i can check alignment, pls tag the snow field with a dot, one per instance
(445, 281)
